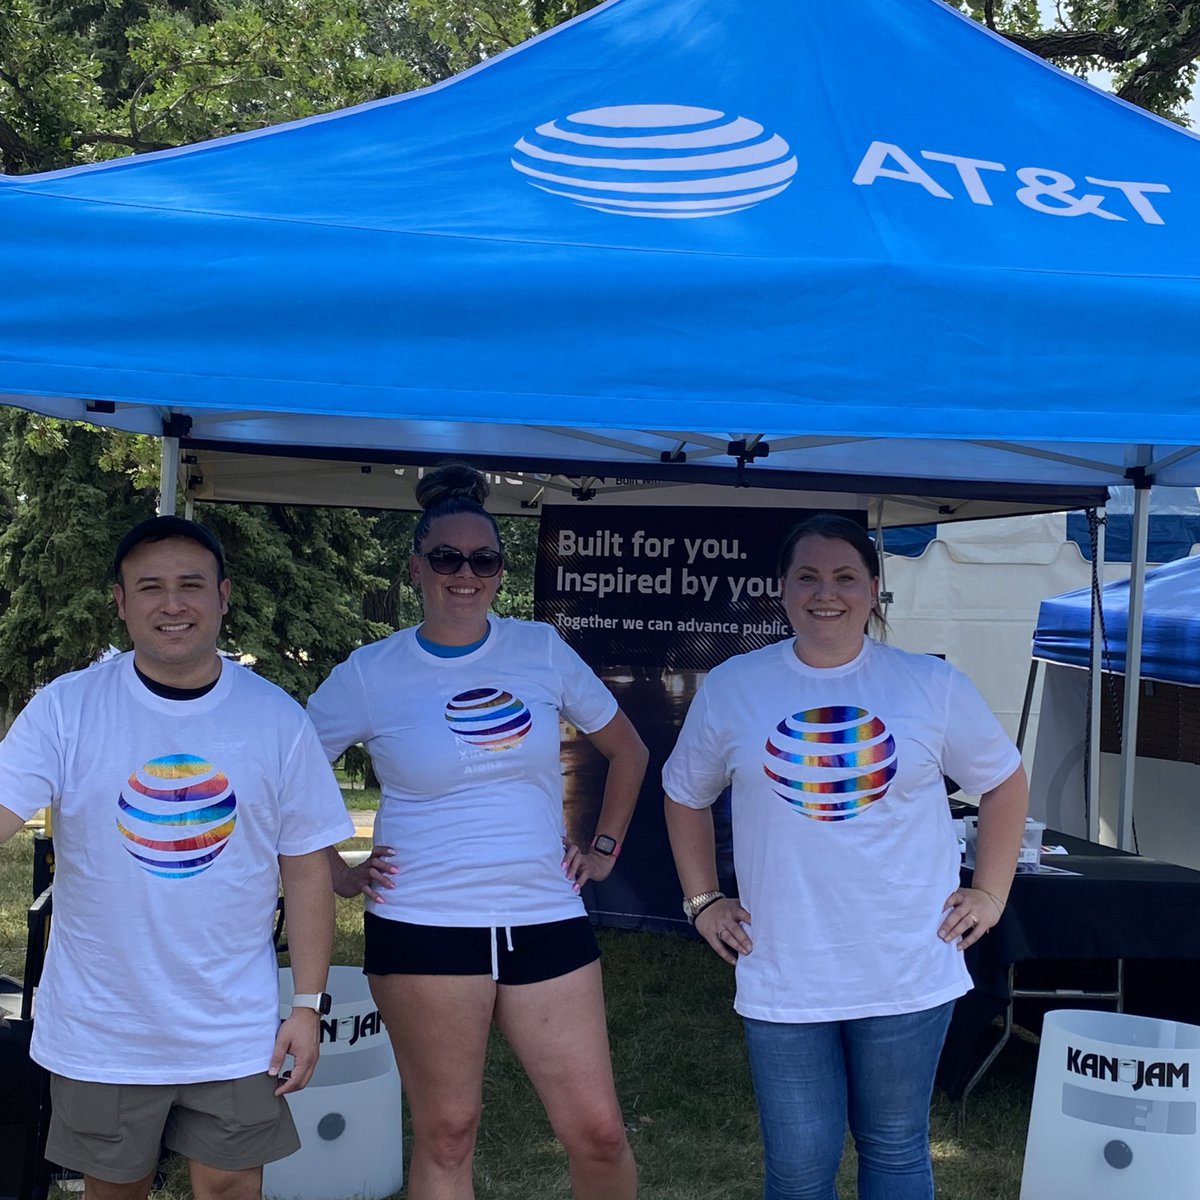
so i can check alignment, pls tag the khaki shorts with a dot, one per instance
(114, 1131)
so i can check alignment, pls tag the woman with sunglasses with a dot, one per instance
(473, 909)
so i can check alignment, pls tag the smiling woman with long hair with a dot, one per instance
(473, 909)
(848, 930)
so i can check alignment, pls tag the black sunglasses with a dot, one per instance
(445, 560)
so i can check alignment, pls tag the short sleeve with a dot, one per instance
(977, 753)
(312, 814)
(339, 711)
(586, 702)
(31, 759)
(698, 769)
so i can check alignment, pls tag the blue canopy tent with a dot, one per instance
(660, 236)
(1170, 627)
(865, 245)
(1167, 775)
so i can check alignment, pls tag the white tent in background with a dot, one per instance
(972, 596)
(972, 591)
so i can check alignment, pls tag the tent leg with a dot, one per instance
(1091, 802)
(168, 476)
(1133, 663)
(1030, 685)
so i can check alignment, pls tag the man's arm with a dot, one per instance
(309, 902)
(9, 823)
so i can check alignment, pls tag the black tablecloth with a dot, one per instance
(1117, 906)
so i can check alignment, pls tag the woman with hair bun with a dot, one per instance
(848, 930)
(473, 913)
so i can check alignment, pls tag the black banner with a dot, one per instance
(652, 599)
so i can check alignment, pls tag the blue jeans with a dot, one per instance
(876, 1073)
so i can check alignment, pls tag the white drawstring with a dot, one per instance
(496, 950)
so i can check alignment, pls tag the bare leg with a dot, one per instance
(99, 1189)
(211, 1183)
(558, 1031)
(439, 1026)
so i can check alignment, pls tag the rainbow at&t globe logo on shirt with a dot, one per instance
(488, 718)
(830, 763)
(176, 814)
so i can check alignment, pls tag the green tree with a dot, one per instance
(66, 503)
(454, 35)
(299, 577)
(68, 494)
(82, 81)
(1150, 46)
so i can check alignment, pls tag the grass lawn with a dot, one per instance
(681, 1073)
(355, 794)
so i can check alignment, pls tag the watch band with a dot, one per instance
(319, 1002)
(693, 906)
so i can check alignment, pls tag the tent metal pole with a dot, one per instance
(1027, 704)
(1096, 683)
(1133, 663)
(885, 597)
(168, 476)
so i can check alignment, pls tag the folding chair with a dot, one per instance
(24, 1086)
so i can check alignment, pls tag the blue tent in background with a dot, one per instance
(658, 239)
(1171, 626)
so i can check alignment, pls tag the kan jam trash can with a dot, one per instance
(348, 1116)
(1114, 1112)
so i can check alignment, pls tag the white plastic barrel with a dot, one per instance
(1114, 1112)
(348, 1116)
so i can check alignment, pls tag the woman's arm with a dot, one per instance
(627, 757)
(973, 911)
(693, 844)
(1002, 814)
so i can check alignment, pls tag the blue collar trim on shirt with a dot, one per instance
(451, 651)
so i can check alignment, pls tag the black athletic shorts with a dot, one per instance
(511, 955)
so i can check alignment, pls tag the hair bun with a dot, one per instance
(450, 480)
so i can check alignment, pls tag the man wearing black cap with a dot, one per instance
(183, 788)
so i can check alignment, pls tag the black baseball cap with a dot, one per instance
(156, 529)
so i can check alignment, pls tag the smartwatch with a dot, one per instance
(603, 844)
(319, 1002)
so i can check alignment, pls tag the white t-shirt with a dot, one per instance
(842, 839)
(168, 819)
(467, 752)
